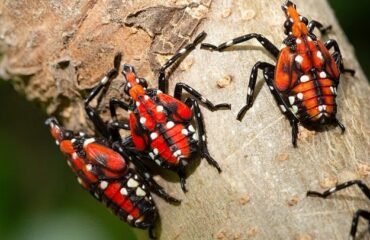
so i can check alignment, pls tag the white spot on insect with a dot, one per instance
(137, 103)
(96, 195)
(321, 107)
(73, 140)
(291, 100)
(153, 135)
(151, 155)
(146, 97)
(298, 59)
(332, 189)
(304, 78)
(298, 41)
(155, 151)
(159, 91)
(123, 191)
(142, 120)
(249, 92)
(319, 55)
(136, 176)
(103, 185)
(132, 183)
(291, 20)
(129, 85)
(79, 180)
(309, 39)
(182, 51)
(170, 124)
(191, 128)
(56, 142)
(185, 132)
(140, 192)
(74, 155)
(262, 42)
(88, 167)
(323, 74)
(69, 163)
(203, 99)
(271, 87)
(300, 96)
(104, 80)
(229, 43)
(159, 163)
(88, 141)
(294, 109)
(282, 107)
(130, 218)
(333, 90)
(198, 115)
(177, 153)
(204, 137)
(159, 108)
(324, 107)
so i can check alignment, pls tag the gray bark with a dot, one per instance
(54, 51)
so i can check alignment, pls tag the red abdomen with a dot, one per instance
(307, 77)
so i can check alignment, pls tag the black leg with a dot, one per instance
(182, 86)
(182, 175)
(151, 233)
(337, 55)
(268, 73)
(339, 124)
(91, 112)
(202, 138)
(162, 81)
(315, 24)
(251, 87)
(271, 48)
(359, 213)
(365, 189)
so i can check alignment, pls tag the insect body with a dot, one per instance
(359, 213)
(305, 79)
(101, 166)
(106, 175)
(161, 124)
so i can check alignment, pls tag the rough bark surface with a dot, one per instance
(54, 51)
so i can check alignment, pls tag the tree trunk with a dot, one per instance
(56, 50)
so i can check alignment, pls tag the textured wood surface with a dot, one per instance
(54, 51)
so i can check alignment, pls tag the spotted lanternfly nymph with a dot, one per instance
(101, 166)
(305, 79)
(359, 213)
(161, 124)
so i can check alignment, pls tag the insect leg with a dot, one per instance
(359, 213)
(337, 55)
(270, 47)
(162, 81)
(315, 24)
(202, 138)
(365, 189)
(91, 112)
(182, 86)
(251, 86)
(268, 73)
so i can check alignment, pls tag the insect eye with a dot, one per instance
(304, 20)
(143, 82)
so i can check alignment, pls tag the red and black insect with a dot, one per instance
(102, 167)
(305, 79)
(161, 124)
(359, 213)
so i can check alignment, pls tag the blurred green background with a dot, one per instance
(40, 199)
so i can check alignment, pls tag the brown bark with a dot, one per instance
(54, 51)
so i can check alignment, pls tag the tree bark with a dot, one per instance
(54, 51)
